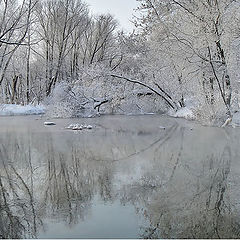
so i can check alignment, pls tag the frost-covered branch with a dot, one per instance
(147, 86)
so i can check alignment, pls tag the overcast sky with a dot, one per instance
(121, 9)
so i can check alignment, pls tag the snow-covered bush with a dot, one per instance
(97, 92)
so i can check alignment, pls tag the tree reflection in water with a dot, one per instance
(196, 206)
(180, 193)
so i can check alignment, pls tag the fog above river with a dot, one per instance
(128, 177)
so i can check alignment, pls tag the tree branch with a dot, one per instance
(146, 86)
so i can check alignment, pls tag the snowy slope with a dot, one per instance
(13, 110)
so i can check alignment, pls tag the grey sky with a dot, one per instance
(121, 9)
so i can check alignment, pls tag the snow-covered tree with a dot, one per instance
(191, 45)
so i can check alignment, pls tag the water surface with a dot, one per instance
(126, 178)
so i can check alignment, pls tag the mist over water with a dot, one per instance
(126, 178)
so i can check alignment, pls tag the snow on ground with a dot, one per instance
(14, 109)
(236, 120)
(184, 112)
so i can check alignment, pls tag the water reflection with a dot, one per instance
(182, 183)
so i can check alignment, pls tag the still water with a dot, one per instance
(126, 178)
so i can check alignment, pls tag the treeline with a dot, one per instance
(183, 53)
(45, 42)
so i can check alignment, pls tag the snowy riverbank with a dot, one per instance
(185, 112)
(16, 110)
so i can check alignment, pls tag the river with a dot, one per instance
(128, 177)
